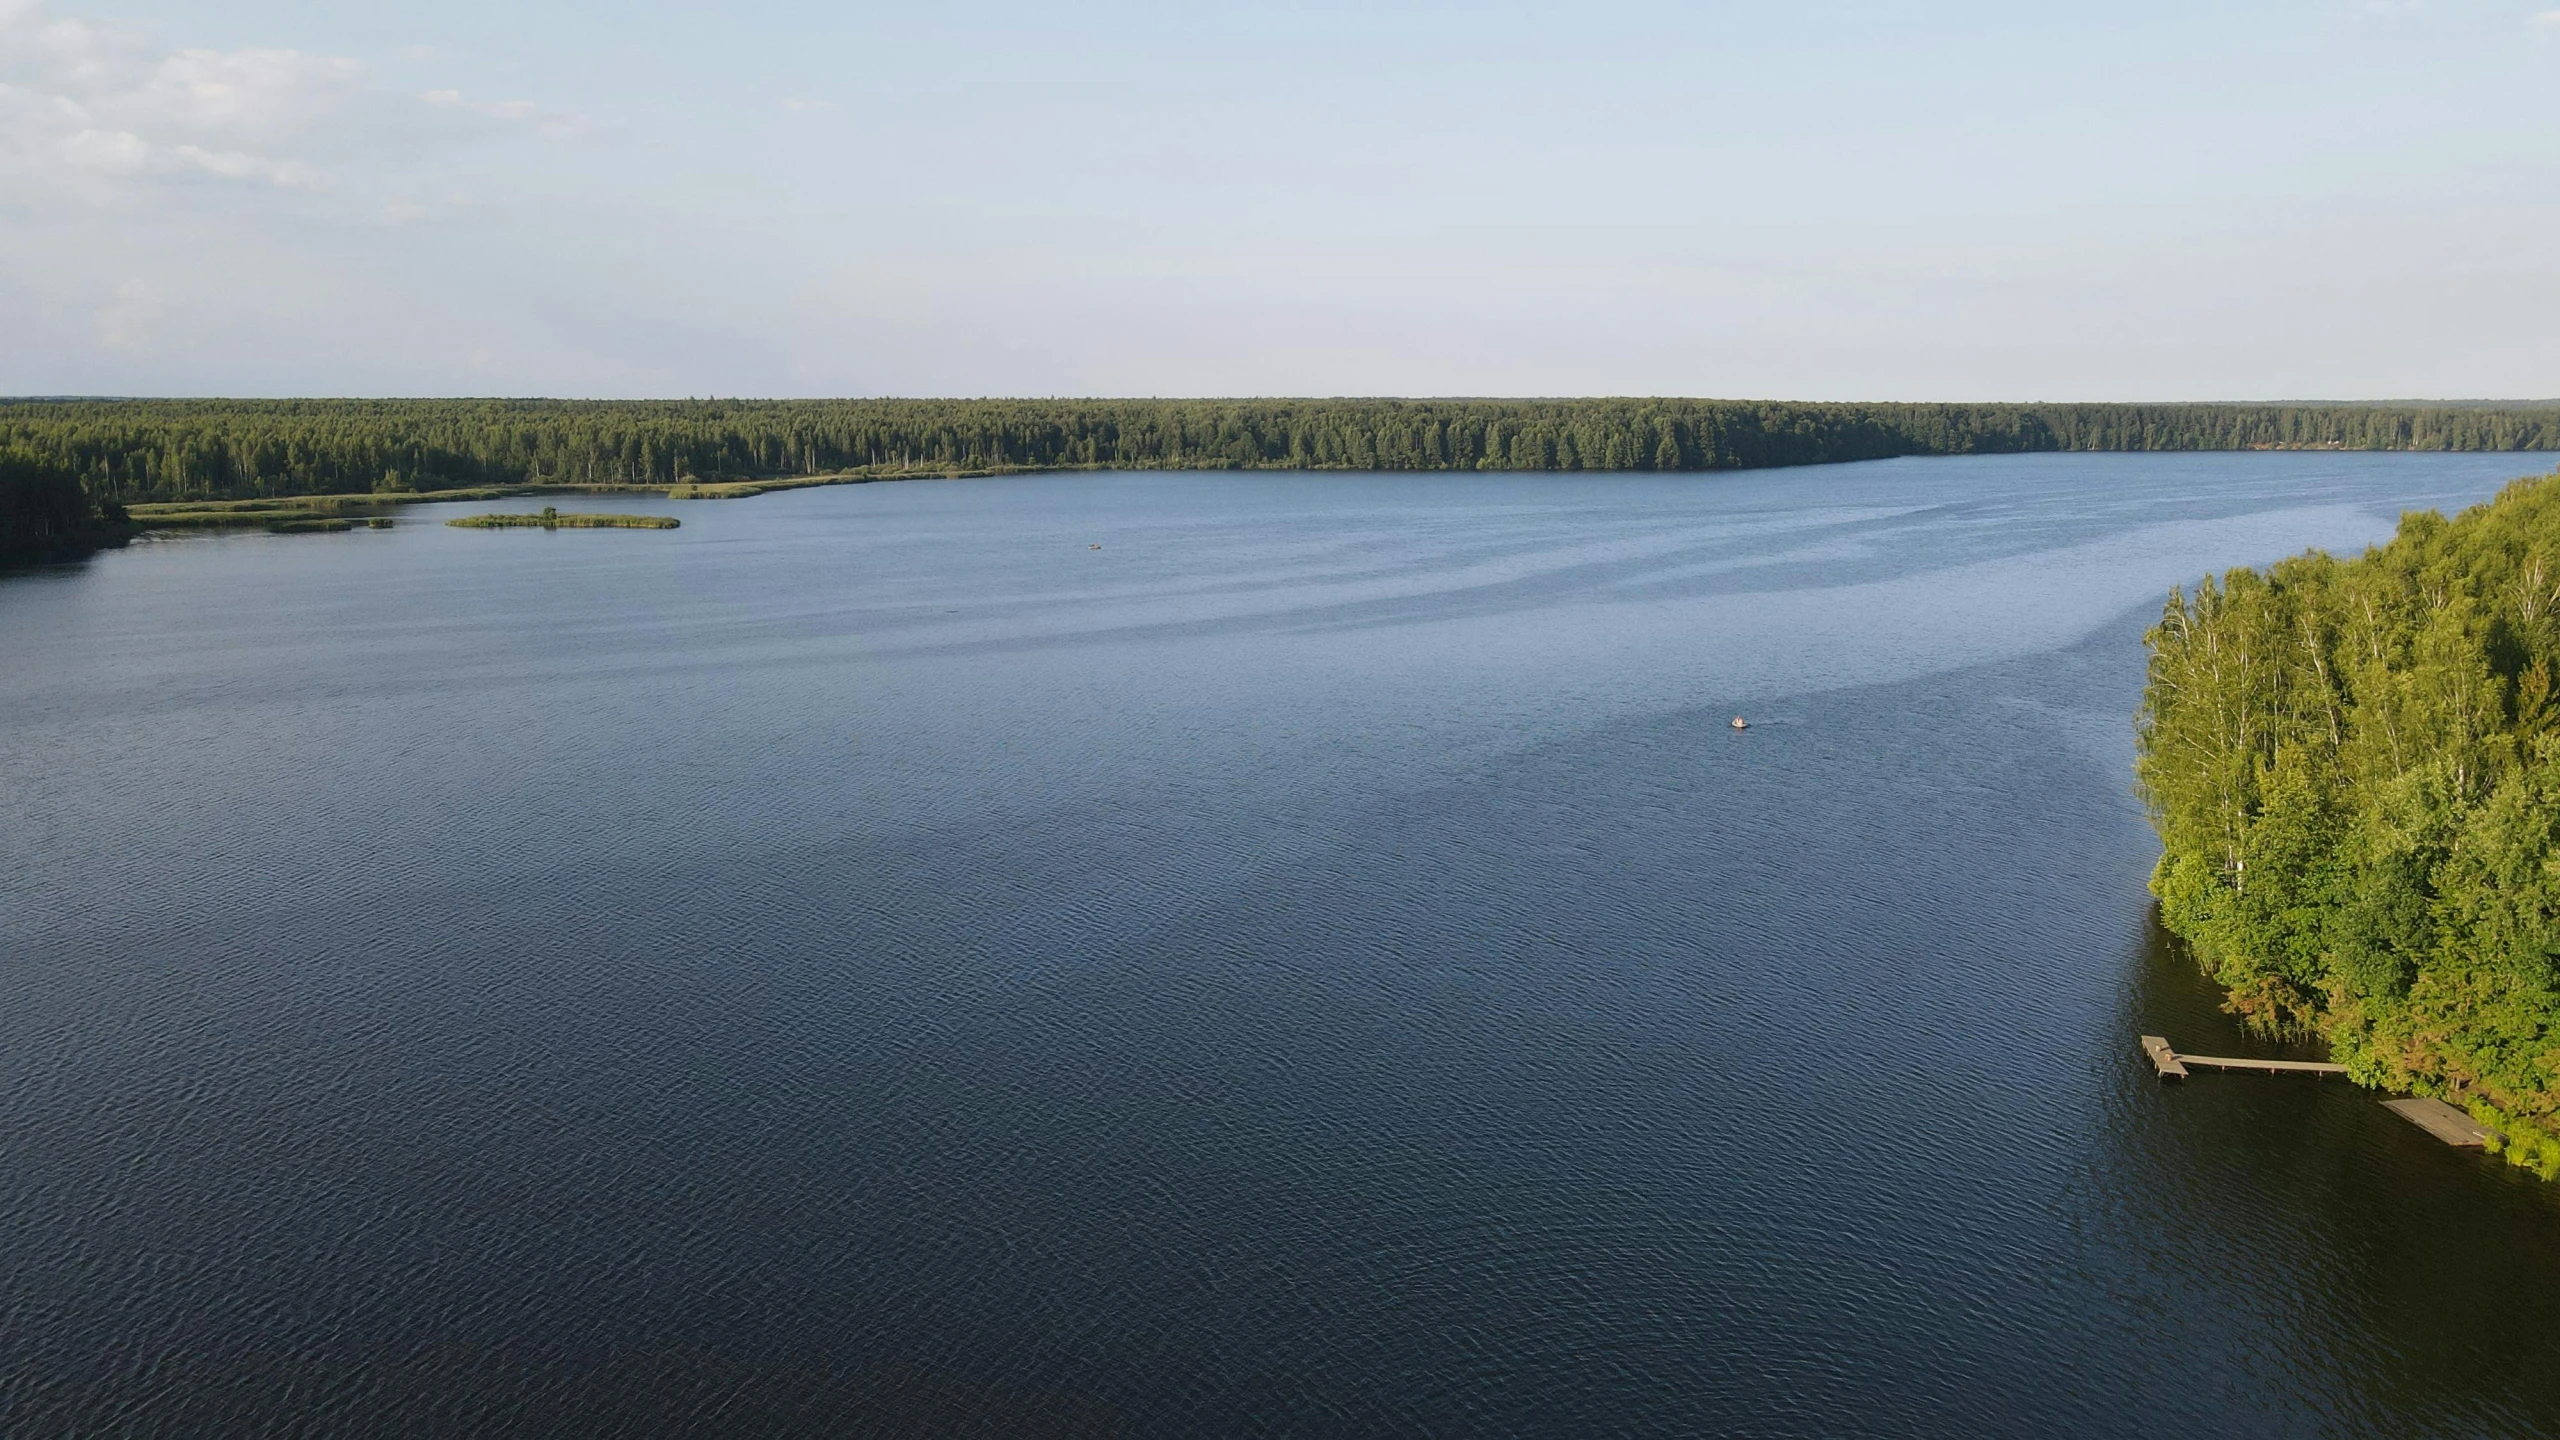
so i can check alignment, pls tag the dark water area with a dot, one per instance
(869, 962)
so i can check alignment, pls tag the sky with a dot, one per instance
(1827, 199)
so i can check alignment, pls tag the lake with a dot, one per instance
(1189, 954)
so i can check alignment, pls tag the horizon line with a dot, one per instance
(2465, 403)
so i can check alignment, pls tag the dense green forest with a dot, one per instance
(2354, 767)
(44, 514)
(169, 450)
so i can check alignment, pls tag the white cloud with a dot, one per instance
(2548, 20)
(161, 206)
(53, 136)
(558, 123)
(269, 92)
(232, 165)
(798, 105)
(81, 103)
(96, 115)
(113, 152)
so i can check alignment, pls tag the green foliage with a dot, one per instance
(273, 512)
(44, 515)
(2355, 772)
(169, 450)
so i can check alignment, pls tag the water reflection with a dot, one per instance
(1319, 964)
(2402, 1285)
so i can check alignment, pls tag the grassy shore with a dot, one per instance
(741, 489)
(271, 513)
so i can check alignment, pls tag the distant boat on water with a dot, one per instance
(1741, 724)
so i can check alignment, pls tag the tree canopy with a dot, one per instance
(44, 514)
(164, 450)
(2354, 767)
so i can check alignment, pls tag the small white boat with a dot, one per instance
(1741, 724)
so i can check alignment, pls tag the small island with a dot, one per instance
(2354, 767)
(551, 519)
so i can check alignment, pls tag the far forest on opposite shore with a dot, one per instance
(159, 451)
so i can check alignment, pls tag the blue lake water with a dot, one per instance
(870, 961)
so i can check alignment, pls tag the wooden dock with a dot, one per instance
(2442, 1121)
(2267, 1067)
(2163, 1059)
(2173, 1066)
(2435, 1117)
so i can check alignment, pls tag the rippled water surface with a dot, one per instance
(872, 962)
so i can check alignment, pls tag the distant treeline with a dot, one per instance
(2354, 766)
(159, 450)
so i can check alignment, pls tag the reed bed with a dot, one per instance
(553, 520)
(271, 511)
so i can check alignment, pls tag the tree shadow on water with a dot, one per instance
(2315, 1250)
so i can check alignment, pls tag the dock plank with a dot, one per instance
(2270, 1067)
(2163, 1059)
(2441, 1120)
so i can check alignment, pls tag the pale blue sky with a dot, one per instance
(2319, 198)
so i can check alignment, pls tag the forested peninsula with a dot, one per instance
(45, 514)
(2354, 767)
(163, 451)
